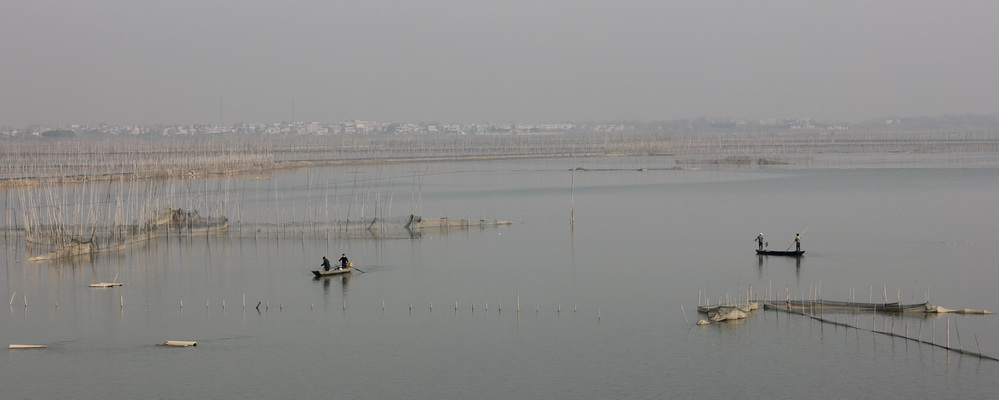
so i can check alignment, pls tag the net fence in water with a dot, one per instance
(832, 305)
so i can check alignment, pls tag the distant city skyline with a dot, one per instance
(183, 62)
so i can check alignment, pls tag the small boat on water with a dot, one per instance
(105, 284)
(793, 253)
(334, 271)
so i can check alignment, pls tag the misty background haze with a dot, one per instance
(226, 61)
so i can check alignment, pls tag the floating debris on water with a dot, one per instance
(179, 343)
(27, 346)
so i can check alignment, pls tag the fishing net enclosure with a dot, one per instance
(407, 227)
(832, 305)
(56, 240)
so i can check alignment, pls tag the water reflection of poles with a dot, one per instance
(797, 269)
(572, 217)
(572, 185)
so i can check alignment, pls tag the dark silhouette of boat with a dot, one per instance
(792, 253)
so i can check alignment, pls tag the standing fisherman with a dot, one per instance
(325, 264)
(797, 242)
(759, 240)
(343, 261)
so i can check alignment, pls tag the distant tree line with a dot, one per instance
(58, 134)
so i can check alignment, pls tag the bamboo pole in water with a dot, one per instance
(958, 332)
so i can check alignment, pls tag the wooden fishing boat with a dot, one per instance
(107, 284)
(333, 272)
(793, 253)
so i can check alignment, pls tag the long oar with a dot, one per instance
(358, 269)
(792, 242)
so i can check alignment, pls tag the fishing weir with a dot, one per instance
(816, 310)
(55, 242)
(58, 241)
(409, 227)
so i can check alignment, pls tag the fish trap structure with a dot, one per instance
(814, 310)
(832, 305)
(55, 241)
(408, 227)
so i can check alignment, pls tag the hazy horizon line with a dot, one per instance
(894, 118)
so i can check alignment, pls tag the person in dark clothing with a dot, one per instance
(759, 240)
(343, 261)
(326, 264)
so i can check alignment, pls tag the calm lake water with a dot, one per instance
(607, 303)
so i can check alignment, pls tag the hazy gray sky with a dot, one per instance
(461, 61)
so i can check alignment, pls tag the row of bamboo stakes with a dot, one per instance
(266, 305)
(105, 185)
(178, 157)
